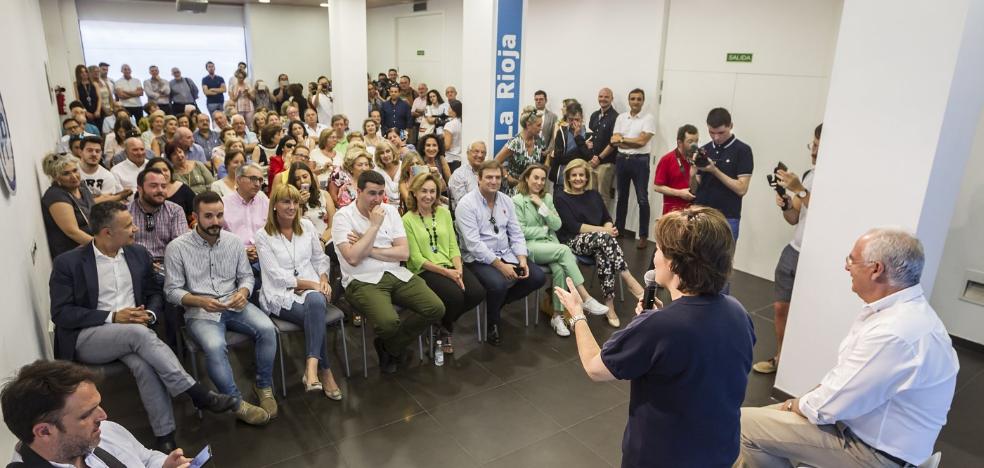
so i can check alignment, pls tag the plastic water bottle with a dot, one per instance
(438, 354)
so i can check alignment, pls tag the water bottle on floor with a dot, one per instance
(438, 354)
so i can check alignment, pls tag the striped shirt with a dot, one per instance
(193, 266)
(168, 221)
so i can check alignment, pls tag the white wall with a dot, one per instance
(381, 30)
(775, 101)
(287, 39)
(61, 34)
(23, 336)
(963, 251)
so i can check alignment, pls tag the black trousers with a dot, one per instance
(135, 112)
(456, 301)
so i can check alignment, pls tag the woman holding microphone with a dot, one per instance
(688, 362)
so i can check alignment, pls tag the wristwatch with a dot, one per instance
(802, 193)
(574, 319)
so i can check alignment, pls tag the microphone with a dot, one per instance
(649, 295)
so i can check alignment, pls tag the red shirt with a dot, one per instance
(673, 171)
(276, 167)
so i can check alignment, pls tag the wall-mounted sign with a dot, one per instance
(420, 52)
(508, 44)
(739, 57)
(7, 172)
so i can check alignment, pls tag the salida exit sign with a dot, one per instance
(739, 57)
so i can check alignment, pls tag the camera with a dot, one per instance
(774, 183)
(520, 271)
(700, 158)
(440, 120)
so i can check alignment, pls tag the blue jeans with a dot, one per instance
(210, 336)
(500, 291)
(632, 169)
(212, 107)
(311, 316)
(734, 222)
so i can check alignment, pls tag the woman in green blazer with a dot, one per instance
(540, 222)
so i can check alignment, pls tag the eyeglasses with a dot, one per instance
(254, 179)
(290, 146)
(149, 223)
(495, 227)
(849, 262)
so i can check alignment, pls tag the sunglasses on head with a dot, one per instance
(149, 223)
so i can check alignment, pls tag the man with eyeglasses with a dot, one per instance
(71, 128)
(371, 242)
(493, 246)
(246, 209)
(794, 205)
(103, 297)
(672, 177)
(886, 399)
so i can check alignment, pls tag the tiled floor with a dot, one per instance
(524, 404)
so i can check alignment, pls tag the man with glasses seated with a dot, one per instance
(158, 222)
(371, 242)
(246, 211)
(493, 246)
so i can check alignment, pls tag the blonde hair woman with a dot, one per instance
(388, 164)
(294, 270)
(526, 148)
(65, 205)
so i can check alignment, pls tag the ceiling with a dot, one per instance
(369, 3)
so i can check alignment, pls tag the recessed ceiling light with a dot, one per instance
(264, 1)
(324, 5)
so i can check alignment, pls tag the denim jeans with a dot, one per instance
(212, 107)
(311, 316)
(210, 336)
(734, 223)
(632, 169)
(500, 291)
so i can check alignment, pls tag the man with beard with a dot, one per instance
(207, 272)
(52, 407)
(103, 296)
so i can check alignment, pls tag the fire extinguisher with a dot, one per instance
(60, 99)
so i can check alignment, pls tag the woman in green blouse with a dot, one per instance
(434, 253)
(192, 173)
(539, 219)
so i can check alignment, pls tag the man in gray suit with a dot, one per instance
(103, 296)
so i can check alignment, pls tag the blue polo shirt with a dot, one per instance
(689, 365)
(395, 115)
(734, 158)
(214, 82)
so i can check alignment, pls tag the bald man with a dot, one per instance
(602, 123)
(185, 140)
(136, 159)
(465, 178)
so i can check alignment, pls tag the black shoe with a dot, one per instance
(493, 337)
(387, 364)
(218, 403)
(166, 444)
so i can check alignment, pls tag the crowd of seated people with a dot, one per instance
(268, 205)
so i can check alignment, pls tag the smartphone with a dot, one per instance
(520, 271)
(305, 187)
(417, 170)
(202, 458)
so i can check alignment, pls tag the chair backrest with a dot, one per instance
(933, 461)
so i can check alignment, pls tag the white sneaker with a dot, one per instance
(593, 307)
(557, 322)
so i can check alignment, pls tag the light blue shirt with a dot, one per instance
(479, 240)
(197, 153)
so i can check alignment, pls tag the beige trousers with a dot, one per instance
(771, 437)
(603, 180)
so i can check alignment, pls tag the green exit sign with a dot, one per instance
(420, 52)
(739, 57)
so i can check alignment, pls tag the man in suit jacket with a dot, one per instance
(103, 295)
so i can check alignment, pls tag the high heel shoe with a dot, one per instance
(335, 394)
(312, 387)
(613, 321)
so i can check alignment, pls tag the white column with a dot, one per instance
(902, 109)
(477, 61)
(349, 58)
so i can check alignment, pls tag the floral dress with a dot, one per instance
(346, 187)
(522, 156)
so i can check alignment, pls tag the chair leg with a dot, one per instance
(283, 372)
(478, 322)
(194, 373)
(341, 329)
(365, 357)
(526, 307)
(420, 348)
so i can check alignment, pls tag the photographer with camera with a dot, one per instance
(321, 99)
(723, 169)
(672, 177)
(793, 197)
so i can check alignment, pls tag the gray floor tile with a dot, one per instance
(459, 377)
(559, 451)
(368, 404)
(323, 457)
(567, 395)
(493, 423)
(962, 433)
(603, 433)
(417, 441)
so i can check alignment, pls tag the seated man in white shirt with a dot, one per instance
(465, 177)
(52, 407)
(136, 160)
(371, 242)
(886, 399)
(102, 183)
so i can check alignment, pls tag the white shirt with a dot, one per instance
(630, 126)
(316, 131)
(126, 172)
(463, 181)
(115, 283)
(316, 215)
(392, 185)
(116, 440)
(130, 85)
(433, 111)
(894, 379)
(101, 182)
(326, 108)
(801, 222)
(370, 270)
(453, 153)
(281, 258)
(221, 188)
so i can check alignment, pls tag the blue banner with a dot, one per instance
(508, 44)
